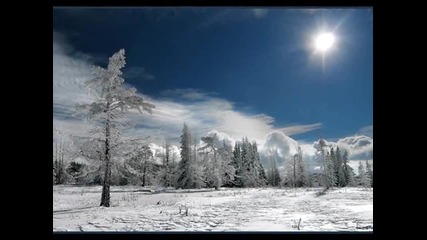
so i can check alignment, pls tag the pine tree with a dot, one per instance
(166, 175)
(339, 168)
(60, 174)
(363, 176)
(302, 174)
(348, 171)
(274, 175)
(140, 165)
(322, 154)
(213, 162)
(262, 178)
(185, 179)
(227, 169)
(112, 101)
(370, 173)
(330, 178)
(237, 163)
(197, 168)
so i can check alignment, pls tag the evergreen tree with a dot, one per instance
(363, 176)
(333, 159)
(321, 152)
(227, 169)
(339, 169)
(213, 162)
(302, 174)
(184, 167)
(75, 170)
(166, 174)
(262, 178)
(330, 178)
(196, 168)
(370, 173)
(348, 171)
(274, 175)
(237, 163)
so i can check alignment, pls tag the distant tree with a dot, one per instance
(321, 152)
(339, 169)
(363, 176)
(334, 165)
(197, 168)
(185, 165)
(330, 179)
(140, 165)
(237, 163)
(260, 172)
(213, 163)
(227, 169)
(174, 170)
(370, 173)
(274, 178)
(60, 174)
(113, 100)
(301, 170)
(165, 172)
(348, 171)
(75, 170)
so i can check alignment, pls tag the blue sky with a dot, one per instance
(257, 64)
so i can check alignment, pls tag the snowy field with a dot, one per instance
(261, 209)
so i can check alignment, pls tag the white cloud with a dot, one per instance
(358, 146)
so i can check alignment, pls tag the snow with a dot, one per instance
(250, 209)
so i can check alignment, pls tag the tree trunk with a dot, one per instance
(295, 174)
(105, 197)
(144, 172)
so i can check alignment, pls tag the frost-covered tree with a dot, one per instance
(260, 172)
(370, 173)
(302, 178)
(75, 170)
(227, 170)
(330, 177)
(60, 174)
(113, 100)
(165, 172)
(348, 171)
(212, 163)
(174, 170)
(185, 167)
(197, 168)
(339, 169)
(363, 176)
(321, 153)
(237, 164)
(274, 178)
(140, 165)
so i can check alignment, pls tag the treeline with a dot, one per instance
(215, 164)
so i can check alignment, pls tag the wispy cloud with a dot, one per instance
(299, 129)
(137, 72)
(367, 131)
(259, 12)
(186, 93)
(217, 16)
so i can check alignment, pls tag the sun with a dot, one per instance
(324, 41)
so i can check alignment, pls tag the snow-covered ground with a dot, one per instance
(261, 209)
